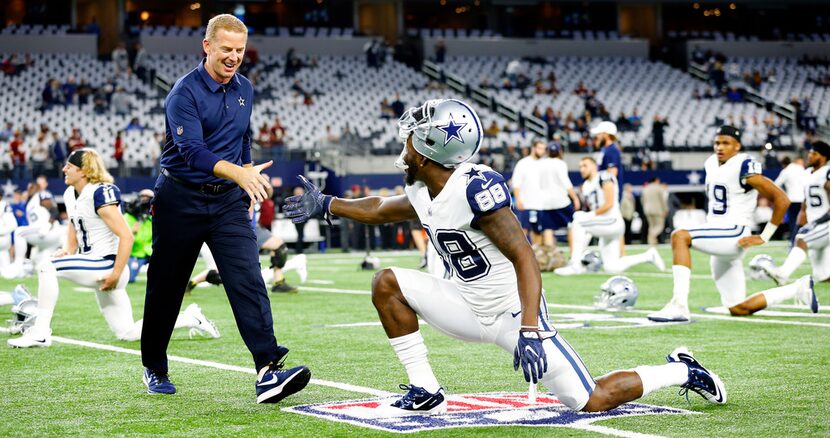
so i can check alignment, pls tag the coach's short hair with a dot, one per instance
(587, 158)
(224, 21)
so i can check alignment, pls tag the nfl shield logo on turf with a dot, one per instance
(475, 410)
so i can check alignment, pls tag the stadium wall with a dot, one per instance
(768, 49)
(539, 47)
(68, 43)
(265, 45)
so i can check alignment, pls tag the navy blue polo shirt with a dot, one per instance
(206, 122)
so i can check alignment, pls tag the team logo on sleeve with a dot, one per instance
(241, 101)
(179, 130)
(475, 410)
(452, 130)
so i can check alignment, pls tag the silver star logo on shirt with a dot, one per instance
(241, 101)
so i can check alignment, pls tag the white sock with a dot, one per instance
(185, 321)
(682, 277)
(628, 261)
(412, 352)
(20, 245)
(118, 313)
(267, 275)
(655, 377)
(780, 294)
(47, 297)
(6, 299)
(579, 239)
(793, 261)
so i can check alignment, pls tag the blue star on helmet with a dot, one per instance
(473, 173)
(452, 130)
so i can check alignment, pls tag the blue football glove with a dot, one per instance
(530, 355)
(310, 204)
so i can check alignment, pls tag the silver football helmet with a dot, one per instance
(618, 292)
(757, 265)
(592, 261)
(447, 131)
(24, 316)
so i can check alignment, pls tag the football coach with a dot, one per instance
(203, 194)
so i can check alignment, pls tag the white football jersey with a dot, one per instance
(815, 195)
(731, 200)
(540, 183)
(486, 279)
(37, 214)
(93, 235)
(595, 196)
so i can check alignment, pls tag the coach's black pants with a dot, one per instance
(183, 218)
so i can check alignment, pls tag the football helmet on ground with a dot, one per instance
(618, 292)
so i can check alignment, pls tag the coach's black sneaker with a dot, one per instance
(158, 383)
(701, 380)
(277, 384)
(281, 287)
(417, 401)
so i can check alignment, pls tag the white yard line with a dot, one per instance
(216, 365)
(580, 307)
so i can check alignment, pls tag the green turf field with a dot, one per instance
(776, 372)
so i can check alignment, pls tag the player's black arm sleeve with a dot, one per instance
(768, 189)
(503, 229)
(374, 209)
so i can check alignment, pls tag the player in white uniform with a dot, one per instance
(8, 224)
(96, 252)
(44, 232)
(495, 293)
(814, 238)
(604, 221)
(733, 182)
(543, 194)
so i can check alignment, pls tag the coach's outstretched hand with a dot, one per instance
(310, 204)
(530, 355)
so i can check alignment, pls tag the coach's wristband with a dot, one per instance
(769, 230)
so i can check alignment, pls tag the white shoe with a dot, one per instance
(656, 260)
(31, 339)
(570, 269)
(298, 263)
(672, 312)
(203, 325)
(807, 293)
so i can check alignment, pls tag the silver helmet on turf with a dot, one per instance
(447, 131)
(592, 261)
(618, 292)
(757, 267)
(24, 315)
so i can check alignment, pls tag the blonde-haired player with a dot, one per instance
(97, 247)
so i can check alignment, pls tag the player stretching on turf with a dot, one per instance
(495, 294)
(733, 182)
(96, 253)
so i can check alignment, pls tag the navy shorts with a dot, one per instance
(540, 220)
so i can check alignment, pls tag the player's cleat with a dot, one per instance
(672, 312)
(277, 384)
(190, 286)
(774, 274)
(157, 383)
(655, 259)
(807, 293)
(203, 325)
(701, 380)
(282, 287)
(570, 269)
(31, 338)
(417, 401)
